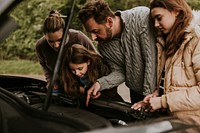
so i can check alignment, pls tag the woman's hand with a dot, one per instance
(55, 86)
(139, 105)
(145, 102)
(82, 90)
(155, 103)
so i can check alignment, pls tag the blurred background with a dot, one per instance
(17, 51)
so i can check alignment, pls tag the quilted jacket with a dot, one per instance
(182, 75)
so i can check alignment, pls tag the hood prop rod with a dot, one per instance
(64, 41)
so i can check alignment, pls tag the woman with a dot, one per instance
(178, 44)
(80, 69)
(47, 47)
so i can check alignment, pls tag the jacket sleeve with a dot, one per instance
(189, 97)
(147, 41)
(112, 53)
(85, 41)
(114, 79)
(48, 74)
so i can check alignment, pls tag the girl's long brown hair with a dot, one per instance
(176, 36)
(78, 54)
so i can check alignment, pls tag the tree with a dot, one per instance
(30, 15)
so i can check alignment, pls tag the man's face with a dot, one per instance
(99, 32)
(54, 39)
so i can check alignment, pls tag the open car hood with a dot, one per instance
(21, 101)
(7, 25)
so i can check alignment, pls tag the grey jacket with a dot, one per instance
(132, 57)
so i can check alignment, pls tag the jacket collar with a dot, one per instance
(194, 26)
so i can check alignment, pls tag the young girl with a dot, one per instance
(80, 69)
(178, 68)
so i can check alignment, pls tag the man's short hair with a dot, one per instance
(97, 9)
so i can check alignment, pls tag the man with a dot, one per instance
(47, 47)
(126, 41)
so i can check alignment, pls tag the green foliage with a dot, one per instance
(195, 4)
(30, 15)
(20, 67)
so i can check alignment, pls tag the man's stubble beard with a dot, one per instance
(108, 36)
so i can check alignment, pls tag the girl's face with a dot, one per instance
(163, 19)
(79, 69)
(54, 39)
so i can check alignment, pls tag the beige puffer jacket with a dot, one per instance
(182, 75)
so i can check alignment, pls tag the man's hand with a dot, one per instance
(93, 92)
